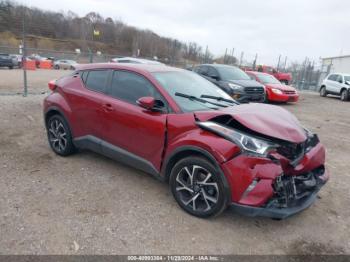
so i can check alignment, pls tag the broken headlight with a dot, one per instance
(247, 143)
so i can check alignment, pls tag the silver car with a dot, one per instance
(65, 64)
(336, 84)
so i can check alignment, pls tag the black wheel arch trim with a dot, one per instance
(55, 108)
(165, 172)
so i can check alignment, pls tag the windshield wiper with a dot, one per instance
(198, 99)
(219, 98)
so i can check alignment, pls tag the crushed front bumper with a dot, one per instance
(293, 203)
(275, 188)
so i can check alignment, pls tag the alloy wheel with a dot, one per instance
(57, 135)
(196, 188)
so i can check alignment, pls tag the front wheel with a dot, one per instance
(59, 136)
(323, 91)
(198, 187)
(344, 95)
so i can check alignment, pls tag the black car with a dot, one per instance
(233, 81)
(6, 61)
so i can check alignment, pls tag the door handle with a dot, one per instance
(108, 107)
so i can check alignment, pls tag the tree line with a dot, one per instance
(111, 34)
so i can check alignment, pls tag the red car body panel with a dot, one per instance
(278, 122)
(155, 136)
(289, 93)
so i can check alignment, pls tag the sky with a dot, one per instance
(291, 28)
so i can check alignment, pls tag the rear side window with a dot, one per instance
(333, 77)
(130, 87)
(96, 80)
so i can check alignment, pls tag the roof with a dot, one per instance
(257, 73)
(217, 65)
(333, 57)
(139, 67)
(139, 60)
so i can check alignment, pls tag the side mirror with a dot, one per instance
(347, 82)
(340, 81)
(150, 103)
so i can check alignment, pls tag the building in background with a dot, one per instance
(334, 64)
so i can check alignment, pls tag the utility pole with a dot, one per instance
(285, 64)
(255, 59)
(206, 55)
(278, 64)
(233, 50)
(225, 56)
(241, 60)
(24, 54)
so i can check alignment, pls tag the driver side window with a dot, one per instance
(129, 87)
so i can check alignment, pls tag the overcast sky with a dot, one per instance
(293, 28)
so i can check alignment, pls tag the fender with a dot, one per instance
(166, 172)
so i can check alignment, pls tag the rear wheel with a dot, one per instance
(59, 136)
(198, 187)
(344, 95)
(57, 67)
(323, 91)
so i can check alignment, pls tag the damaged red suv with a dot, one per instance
(179, 127)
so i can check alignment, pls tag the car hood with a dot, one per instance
(269, 120)
(245, 83)
(281, 87)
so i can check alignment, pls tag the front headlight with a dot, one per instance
(246, 142)
(235, 87)
(276, 91)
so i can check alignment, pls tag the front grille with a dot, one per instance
(254, 90)
(292, 92)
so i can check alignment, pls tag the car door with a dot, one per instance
(338, 84)
(130, 132)
(330, 83)
(86, 96)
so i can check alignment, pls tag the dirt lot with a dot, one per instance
(88, 204)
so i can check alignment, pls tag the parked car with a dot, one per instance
(17, 59)
(7, 61)
(275, 90)
(285, 78)
(65, 64)
(134, 60)
(336, 84)
(233, 81)
(181, 128)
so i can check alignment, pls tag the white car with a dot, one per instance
(65, 64)
(336, 84)
(134, 60)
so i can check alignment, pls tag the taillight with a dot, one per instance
(52, 85)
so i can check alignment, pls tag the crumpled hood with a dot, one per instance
(269, 120)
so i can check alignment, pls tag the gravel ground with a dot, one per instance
(11, 81)
(88, 204)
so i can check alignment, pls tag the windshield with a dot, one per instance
(191, 84)
(268, 79)
(228, 73)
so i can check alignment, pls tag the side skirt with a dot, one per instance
(100, 146)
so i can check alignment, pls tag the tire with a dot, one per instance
(266, 99)
(10, 67)
(205, 196)
(323, 91)
(59, 136)
(344, 95)
(57, 67)
(72, 68)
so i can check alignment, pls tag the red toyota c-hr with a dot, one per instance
(275, 90)
(181, 128)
